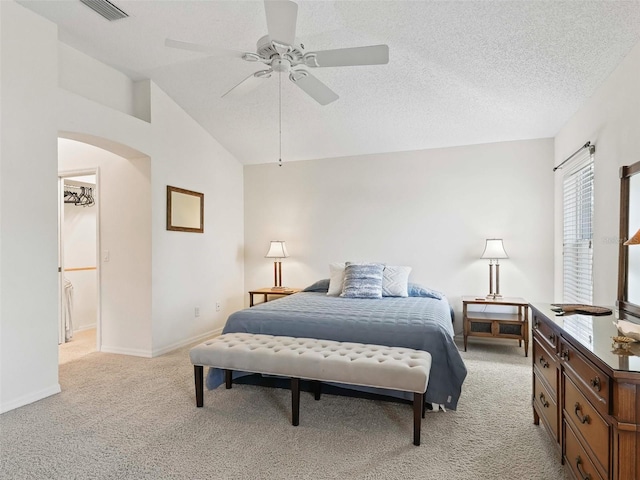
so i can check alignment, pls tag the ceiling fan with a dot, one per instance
(280, 52)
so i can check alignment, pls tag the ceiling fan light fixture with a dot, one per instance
(296, 75)
(280, 65)
(263, 73)
(311, 60)
(251, 57)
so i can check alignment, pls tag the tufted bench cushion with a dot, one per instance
(378, 366)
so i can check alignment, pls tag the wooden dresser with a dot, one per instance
(585, 395)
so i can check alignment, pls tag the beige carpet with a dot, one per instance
(83, 343)
(121, 417)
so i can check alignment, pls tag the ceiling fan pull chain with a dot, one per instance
(280, 116)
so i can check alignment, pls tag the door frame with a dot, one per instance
(62, 175)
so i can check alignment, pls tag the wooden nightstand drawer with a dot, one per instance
(577, 458)
(588, 375)
(546, 405)
(543, 330)
(588, 422)
(546, 365)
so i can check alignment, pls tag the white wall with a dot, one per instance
(28, 208)
(169, 274)
(610, 120)
(185, 270)
(193, 269)
(429, 209)
(91, 79)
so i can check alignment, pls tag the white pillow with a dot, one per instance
(336, 279)
(395, 280)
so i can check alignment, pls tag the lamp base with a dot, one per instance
(279, 288)
(493, 296)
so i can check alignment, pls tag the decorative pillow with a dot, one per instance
(395, 281)
(336, 280)
(416, 290)
(321, 286)
(362, 280)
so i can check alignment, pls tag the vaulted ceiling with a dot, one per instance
(459, 72)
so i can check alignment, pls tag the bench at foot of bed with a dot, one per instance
(378, 366)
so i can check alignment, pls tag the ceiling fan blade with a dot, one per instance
(345, 57)
(252, 81)
(313, 87)
(281, 20)
(194, 47)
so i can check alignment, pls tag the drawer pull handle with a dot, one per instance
(536, 324)
(544, 363)
(564, 354)
(595, 383)
(552, 337)
(543, 400)
(585, 476)
(582, 418)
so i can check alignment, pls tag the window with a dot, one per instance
(578, 230)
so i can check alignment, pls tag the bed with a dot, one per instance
(419, 322)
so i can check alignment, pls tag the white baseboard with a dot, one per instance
(84, 327)
(161, 351)
(126, 351)
(29, 398)
(198, 338)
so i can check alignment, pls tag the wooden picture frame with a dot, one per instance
(185, 210)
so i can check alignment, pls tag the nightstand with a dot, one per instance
(497, 325)
(265, 292)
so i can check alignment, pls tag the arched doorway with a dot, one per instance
(122, 197)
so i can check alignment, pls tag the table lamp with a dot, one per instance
(494, 250)
(278, 251)
(635, 240)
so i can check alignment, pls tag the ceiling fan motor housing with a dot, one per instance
(267, 51)
(280, 65)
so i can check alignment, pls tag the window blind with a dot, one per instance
(578, 230)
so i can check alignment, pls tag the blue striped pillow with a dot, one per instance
(362, 280)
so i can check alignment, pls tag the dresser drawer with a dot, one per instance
(588, 422)
(577, 458)
(592, 381)
(546, 365)
(546, 405)
(543, 330)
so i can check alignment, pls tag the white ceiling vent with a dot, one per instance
(105, 8)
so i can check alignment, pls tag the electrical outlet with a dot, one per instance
(197, 311)
(217, 306)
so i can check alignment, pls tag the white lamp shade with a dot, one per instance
(277, 249)
(494, 249)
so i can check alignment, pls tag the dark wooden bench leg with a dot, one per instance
(228, 378)
(198, 372)
(424, 408)
(295, 401)
(316, 387)
(418, 405)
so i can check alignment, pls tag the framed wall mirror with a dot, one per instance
(629, 256)
(185, 210)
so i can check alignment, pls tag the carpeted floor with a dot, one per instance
(121, 417)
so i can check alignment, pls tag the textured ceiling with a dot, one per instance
(460, 72)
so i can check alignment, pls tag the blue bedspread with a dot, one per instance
(413, 322)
